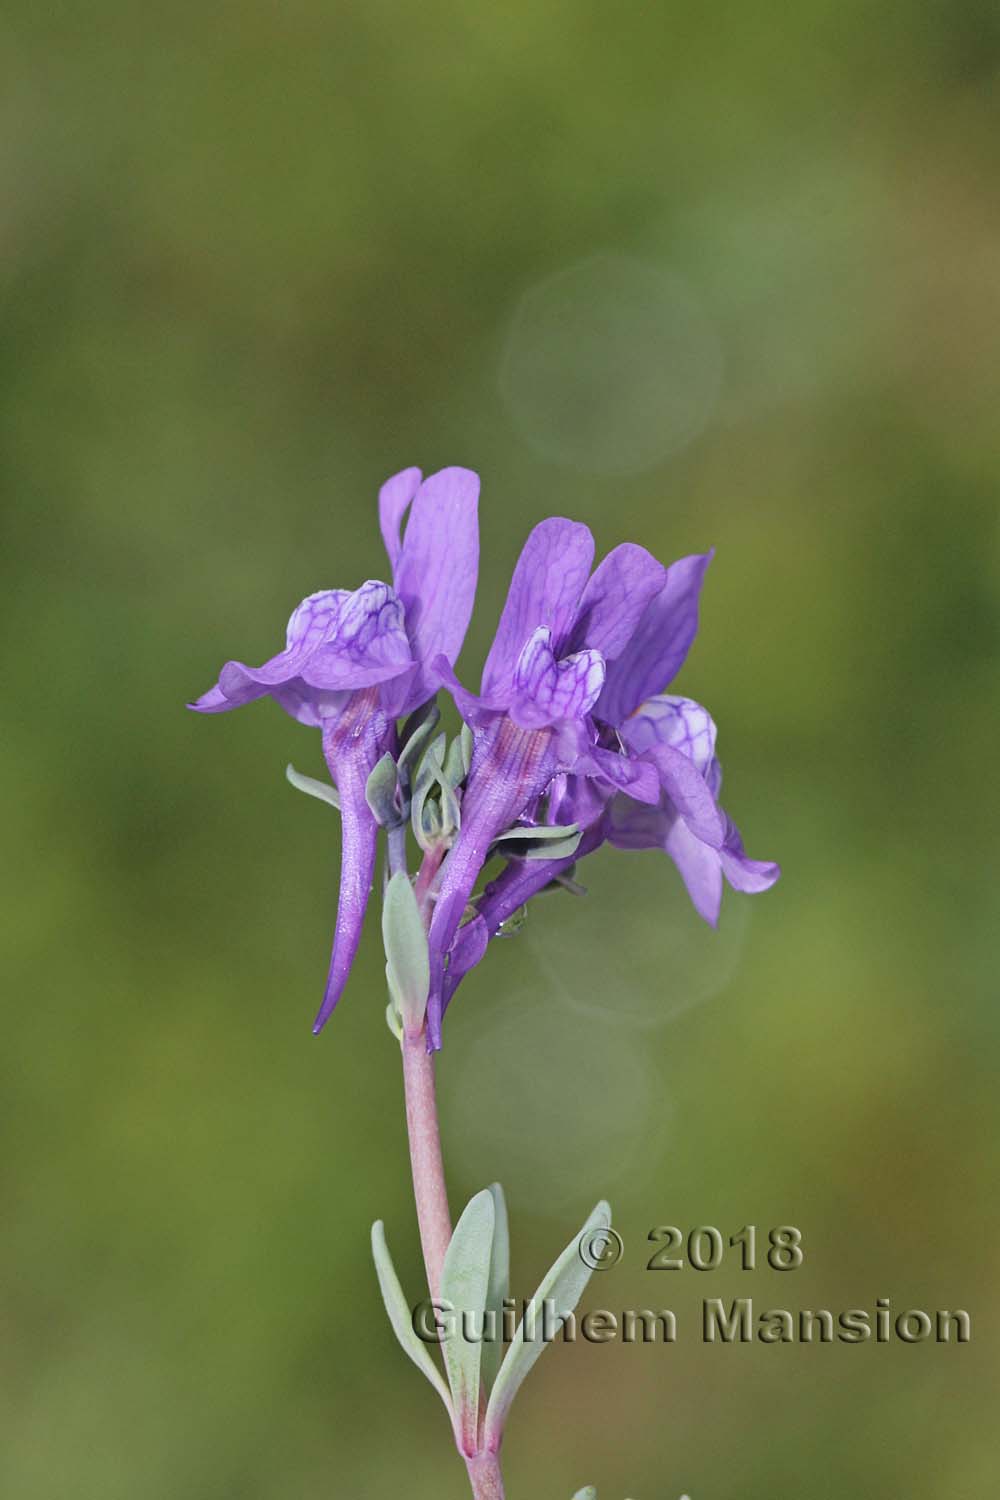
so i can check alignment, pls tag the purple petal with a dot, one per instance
(365, 642)
(577, 799)
(699, 867)
(630, 826)
(393, 502)
(336, 640)
(468, 949)
(311, 706)
(216, 702)
(473, 710)
(636, 825)
(436, 574)
(580, 756)
(659, 645)
(311, 623)
(314, 620)
(638, 778)
(615, 598)
(743, 873)
(545, 590)
(688, 791)
(352, 748)
(678, 722)
(545, 691)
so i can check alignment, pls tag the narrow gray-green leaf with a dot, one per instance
(545, 841)
(538, 832)
(319, 789)
(407, 959)
(400, 1316)
(498, 1287)
(464, 1285)
(552, 849)
(563, 1284)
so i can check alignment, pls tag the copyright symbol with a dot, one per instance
(600, 1249)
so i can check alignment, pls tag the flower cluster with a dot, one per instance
(573, 740)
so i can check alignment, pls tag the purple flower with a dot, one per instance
(355, 662)
(561, 634)
(629, 732)
(703, 853)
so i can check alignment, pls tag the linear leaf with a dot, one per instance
(408, 965)
(498, 1287)
(464, 1285)
(313, 788)
(563, 1284)
(400, 1316)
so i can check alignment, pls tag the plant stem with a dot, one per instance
(429, 1191)
(396, 840)
(425, 880)
(485, 1476)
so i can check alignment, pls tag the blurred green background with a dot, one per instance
(725, 276)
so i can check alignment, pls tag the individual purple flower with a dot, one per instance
(560, 634)
(702, 861)
(676, 738)
(355, 662)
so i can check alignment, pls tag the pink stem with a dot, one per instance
(425, 881)
(485, 1476)
(429, 1191)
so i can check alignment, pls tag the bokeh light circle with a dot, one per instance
(610, 364)
(548, 1105)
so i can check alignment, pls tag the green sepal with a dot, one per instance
(434, 818)
(416, 732)
(467, 743)
(451, 813)
(454, 763)
(426, 825)
(380, 793)
(408, 968)
(321, 790)
(400, 1316)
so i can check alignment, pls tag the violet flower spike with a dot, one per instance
(355, 662)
